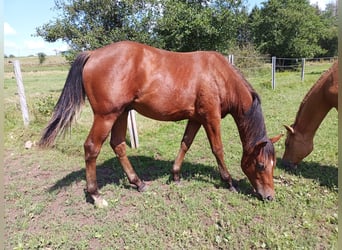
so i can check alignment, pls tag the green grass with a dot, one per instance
(45, 203)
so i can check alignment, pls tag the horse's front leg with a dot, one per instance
(92, 146)
(189, 134)
(118, 144)
(213, 131)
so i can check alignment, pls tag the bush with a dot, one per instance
(247, 56)
(44, 107)
(41, 57)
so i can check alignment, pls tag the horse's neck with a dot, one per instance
(248, 139)
(311, 113)
(251, 126)
(247, 111)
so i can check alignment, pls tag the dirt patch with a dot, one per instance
(39, 199)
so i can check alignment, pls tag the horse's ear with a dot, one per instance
(289, 129)
(259, 146)
(276, 138)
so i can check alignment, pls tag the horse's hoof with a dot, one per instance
(233, 189)
(142, 187)
(176, 179)
(100, 202)
(177, 182)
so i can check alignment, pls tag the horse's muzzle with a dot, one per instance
(289, 165)
(269, 198)
(264, 197)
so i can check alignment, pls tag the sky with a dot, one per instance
(22, 17)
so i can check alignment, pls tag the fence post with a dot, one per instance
(21, 92)
(303, 69)
(132, 127)
(273, 71)
(232, 59)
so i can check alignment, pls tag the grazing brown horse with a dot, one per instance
(320, 99)
(199, 86)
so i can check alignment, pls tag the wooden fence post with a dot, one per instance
(132, 127)
(21, 92)
(231, 59)
(274, 59)
(303, 69)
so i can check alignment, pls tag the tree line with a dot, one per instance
(282, 28)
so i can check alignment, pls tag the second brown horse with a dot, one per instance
(199, 86)
(320, 99)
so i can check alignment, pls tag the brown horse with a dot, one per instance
(320, 99)
(199, 86)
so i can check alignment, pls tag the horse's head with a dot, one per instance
(296, 148)
(258, 164)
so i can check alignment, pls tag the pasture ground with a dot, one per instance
(46, 207)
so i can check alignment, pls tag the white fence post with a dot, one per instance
(132, 127)
(303, 69)
(21, 92)
(274, 59)
(231, 59)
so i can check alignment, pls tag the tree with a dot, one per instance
(199, 25)
(41, 57)
(287, 28)
(86, 25)
(179, 25)
(329, 38)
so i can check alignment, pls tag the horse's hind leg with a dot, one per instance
(189, 134)
(118, 144)
(92, 146)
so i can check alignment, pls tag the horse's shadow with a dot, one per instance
(325, 175)
(149, 169)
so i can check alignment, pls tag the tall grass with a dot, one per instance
(45, 203)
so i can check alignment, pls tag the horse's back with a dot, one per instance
(157, 83)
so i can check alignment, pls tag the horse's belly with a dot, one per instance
(162, 113)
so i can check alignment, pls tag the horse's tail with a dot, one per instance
(69, 103)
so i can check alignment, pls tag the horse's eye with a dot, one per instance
(260, 166)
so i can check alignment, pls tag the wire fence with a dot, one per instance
(269, 69)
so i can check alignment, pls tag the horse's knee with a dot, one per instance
(184, 146)
(120, 149)
(90, 150)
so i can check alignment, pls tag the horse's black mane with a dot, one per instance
(252, 121)
(254, 125)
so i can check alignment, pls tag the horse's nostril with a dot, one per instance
(269, 198)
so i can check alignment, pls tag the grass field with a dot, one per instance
(46, 207)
